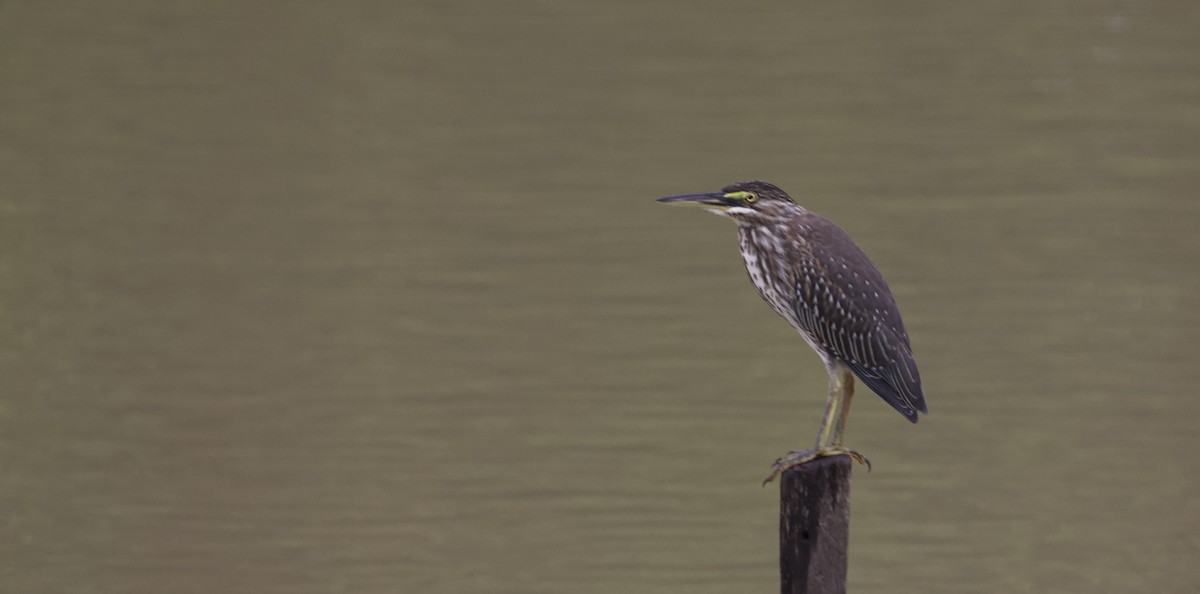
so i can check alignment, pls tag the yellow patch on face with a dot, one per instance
(743, 196)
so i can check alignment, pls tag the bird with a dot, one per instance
(818, 279)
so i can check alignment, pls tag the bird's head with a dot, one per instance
(746, 202)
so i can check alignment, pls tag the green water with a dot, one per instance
(374, 297)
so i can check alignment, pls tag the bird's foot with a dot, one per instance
(799, 457)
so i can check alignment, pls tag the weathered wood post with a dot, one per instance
(814, 526)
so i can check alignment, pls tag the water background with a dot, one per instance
(374, 297)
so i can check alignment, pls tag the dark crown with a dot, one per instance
(761, 189)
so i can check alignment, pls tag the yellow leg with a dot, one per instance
(833, 406)
(847, 390)
(833, 427)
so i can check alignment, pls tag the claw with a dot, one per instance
(861, 459)
(800, 457)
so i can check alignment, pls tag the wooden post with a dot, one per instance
(814, 526)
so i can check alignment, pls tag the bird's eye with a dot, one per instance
(751, 197)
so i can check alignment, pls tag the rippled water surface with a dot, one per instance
(374, 297)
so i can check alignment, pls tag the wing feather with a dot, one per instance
(846, 305)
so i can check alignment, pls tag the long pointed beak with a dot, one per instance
(711, 199)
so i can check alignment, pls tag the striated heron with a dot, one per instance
(815, 277)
